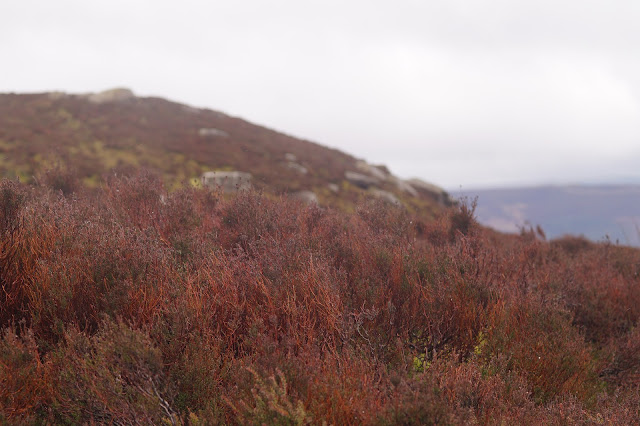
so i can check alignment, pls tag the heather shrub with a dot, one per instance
(189, 220)
(271, 403)
(250, 216)
(199, 376)
(12, 199)
(137, 198)
(623, 366)
(60, 180)
(463, 218)
(114, 376)
(103, 267)
(603, 296)
(26, 381)
(452, 392)
(538, 342)
(345, 388)
(27, 237)
(572, 245)
(336, 388)
(135, 304)
(384, 218)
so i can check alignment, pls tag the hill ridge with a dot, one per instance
(95, 133)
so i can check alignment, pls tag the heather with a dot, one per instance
(131, 304)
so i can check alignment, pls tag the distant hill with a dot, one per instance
(595, 212)
(116, 131)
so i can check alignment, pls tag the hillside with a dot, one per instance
(95, 134)
(129, 294)
(595, 212)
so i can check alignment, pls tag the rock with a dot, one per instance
(406, 187)
(333, 187)
(290, 157)
(228, 181)
(438, 193)
(358, 179)
(211, 132)
(297, 167)
(403, 186)
(113, 95)
(309, 197)
(385, 196)
(426, 186)
(374, 171)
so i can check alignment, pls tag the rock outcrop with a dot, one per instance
(212, 133)
(229, 182)
(361, 180)
(402, 185)
(308, 197)
(435, 191)
(112, 95)
(375, 171)
(385, 196)
(298, 167)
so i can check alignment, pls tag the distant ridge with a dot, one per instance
(597, 212)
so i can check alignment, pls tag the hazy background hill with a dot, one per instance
(596, 212)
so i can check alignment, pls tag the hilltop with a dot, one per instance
(117, 132)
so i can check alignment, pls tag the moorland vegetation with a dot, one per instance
(132, 304)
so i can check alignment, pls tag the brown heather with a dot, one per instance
(129, 305)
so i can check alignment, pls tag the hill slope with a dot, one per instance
(115, 130)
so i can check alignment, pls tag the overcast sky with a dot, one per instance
(457, 92)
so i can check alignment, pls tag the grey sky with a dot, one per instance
(460, 93)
